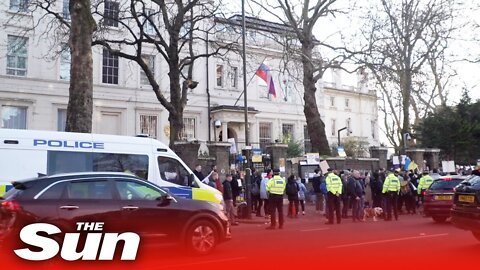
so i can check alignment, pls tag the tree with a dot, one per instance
(80, 101)
(453, 129)
(178, 39)
(354, 147)
(302, 17)
(406, 42)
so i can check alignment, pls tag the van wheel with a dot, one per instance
(202, 237)
(439, 219)
(476, 235)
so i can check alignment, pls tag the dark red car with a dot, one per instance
(438, 199)
(124, 203)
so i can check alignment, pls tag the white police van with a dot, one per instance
(29, 153)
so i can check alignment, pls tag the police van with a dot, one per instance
(30, 153)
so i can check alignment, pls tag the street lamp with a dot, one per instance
(338, 132)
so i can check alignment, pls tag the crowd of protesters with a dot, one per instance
(339, 193)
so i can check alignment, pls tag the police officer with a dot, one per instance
(334, 190)
(275, 190)
(425, 182)
(391, 188)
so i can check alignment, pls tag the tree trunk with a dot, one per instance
(80, 106)
(176, 115)
(176, 127)
(407, 92)
(315, 125)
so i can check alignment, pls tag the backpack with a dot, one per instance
(323, 187)
(292, 189)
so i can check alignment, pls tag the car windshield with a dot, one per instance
(445, 184)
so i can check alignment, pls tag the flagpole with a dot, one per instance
(249, 81)
(247, 143)
(248, 171)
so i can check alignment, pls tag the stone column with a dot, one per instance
(276, 152)
(224, 131)
(433, 158)
(417, 155)
(221, 152)
(380, 153)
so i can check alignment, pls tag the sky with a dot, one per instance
(329, 29)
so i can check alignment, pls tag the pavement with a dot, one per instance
(412, 242)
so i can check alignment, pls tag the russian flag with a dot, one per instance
(264, 72)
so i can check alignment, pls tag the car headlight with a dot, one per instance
(220, 206)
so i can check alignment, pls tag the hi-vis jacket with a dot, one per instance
(334, 184)
(391, 184)
(276, 185)
(425, 182)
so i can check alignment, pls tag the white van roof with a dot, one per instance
(68, 140)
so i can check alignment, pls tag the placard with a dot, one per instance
(324, 166)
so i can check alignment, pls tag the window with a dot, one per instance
(61, 119)
(347, 103)
(173, 171)
(111, 10)
(14, 117)
(287, 133)
(148, 25)
(148, 125)
(17, 53)
(110, 67)
(110, 122)
(188, 131)
(219, 76)
(54, 192)
(66, 10)
(348, 125)
(445, 184)
(132, 190)
(64, 162)
(265, 134)
(333, 127)
(150, 61)
(89, 190)
(332, 101)
(65, 60)
(19, 5)
(233, 76)
(129, 163)
(306, 140)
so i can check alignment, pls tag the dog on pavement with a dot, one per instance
(372, 213)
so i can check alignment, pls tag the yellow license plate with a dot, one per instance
(443, 198)
(466, 198)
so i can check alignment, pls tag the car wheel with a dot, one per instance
(439, 219)
(476, 235)
(202, 237)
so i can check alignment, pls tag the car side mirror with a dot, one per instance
(165, 200)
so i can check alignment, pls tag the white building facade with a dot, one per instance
(34, 92)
